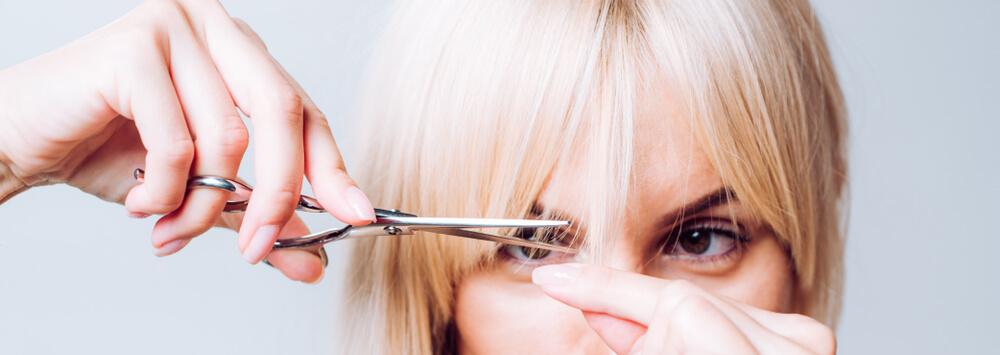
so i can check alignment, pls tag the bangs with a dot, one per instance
(471, 107)
(479, 131)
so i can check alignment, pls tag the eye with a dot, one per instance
(534, 255)
(705, 239)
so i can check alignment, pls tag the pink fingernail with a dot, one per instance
(138, 215)
(171, 247)
(322, 273)
(260, 243)
(359, 202)
(556, 275)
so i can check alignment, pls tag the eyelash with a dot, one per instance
(527, 256)
(710, 225)
(713, 227)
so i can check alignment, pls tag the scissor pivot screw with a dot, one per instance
(393, 230)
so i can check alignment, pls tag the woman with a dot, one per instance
(697, 146)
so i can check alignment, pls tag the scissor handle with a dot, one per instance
(240, 190)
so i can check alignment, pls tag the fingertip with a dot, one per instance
(298, 265)
(260, 243)
(556, 276)
(161, 234)
(134, 201)
(170, 248)
(139, 201)
(360, 205)
(349, 205)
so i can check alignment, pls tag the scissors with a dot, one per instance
(388, 222)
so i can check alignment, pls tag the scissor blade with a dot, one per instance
(502, 239)
(470, 222)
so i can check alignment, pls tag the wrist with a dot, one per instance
(10, 184)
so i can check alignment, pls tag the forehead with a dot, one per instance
(670, 166)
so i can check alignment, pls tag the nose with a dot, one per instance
(626, 256)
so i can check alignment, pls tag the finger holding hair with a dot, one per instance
(661, 304)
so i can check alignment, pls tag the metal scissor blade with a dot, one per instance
(502, 239)
(439, 222)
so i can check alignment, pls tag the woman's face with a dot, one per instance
(678, 225)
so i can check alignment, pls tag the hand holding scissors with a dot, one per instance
(165, 87)
(387, 222)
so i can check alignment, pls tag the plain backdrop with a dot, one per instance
(78, 277)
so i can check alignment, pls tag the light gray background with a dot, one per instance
(76, 276)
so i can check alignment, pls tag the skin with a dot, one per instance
(161, 89)
(642, 301)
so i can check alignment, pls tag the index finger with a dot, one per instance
(598, 289)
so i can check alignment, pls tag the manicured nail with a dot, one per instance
(171, 247)
(559, 275)
(138, 215)
(260, 243)
(322, 273)
(359, 202)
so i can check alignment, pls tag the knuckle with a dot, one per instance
(166, 203)
(826, 342)
(690, 308)
(248, 31)
(233, 141)
(140, 42)
(283, 197)
(677, 291)
(164, 9)
(178, 153)
(317, 119)
(284, 103)
(813, 334)
(290, 103)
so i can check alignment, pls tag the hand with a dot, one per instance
(160, 89)
(635, 313)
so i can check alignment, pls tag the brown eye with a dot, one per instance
(695, 241)
(706, 238)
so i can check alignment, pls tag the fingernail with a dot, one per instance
(322, 273)
(138, 215)
(556, 275)
(359, 202)
(171, 247)
(260, 243)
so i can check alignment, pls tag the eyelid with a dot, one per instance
(700, 221)
(727, 224)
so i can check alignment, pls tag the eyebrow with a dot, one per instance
(712, 199)
(721, 196)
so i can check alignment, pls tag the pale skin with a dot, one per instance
(160, 89)
(648, 299)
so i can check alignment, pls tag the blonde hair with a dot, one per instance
(471, 104)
